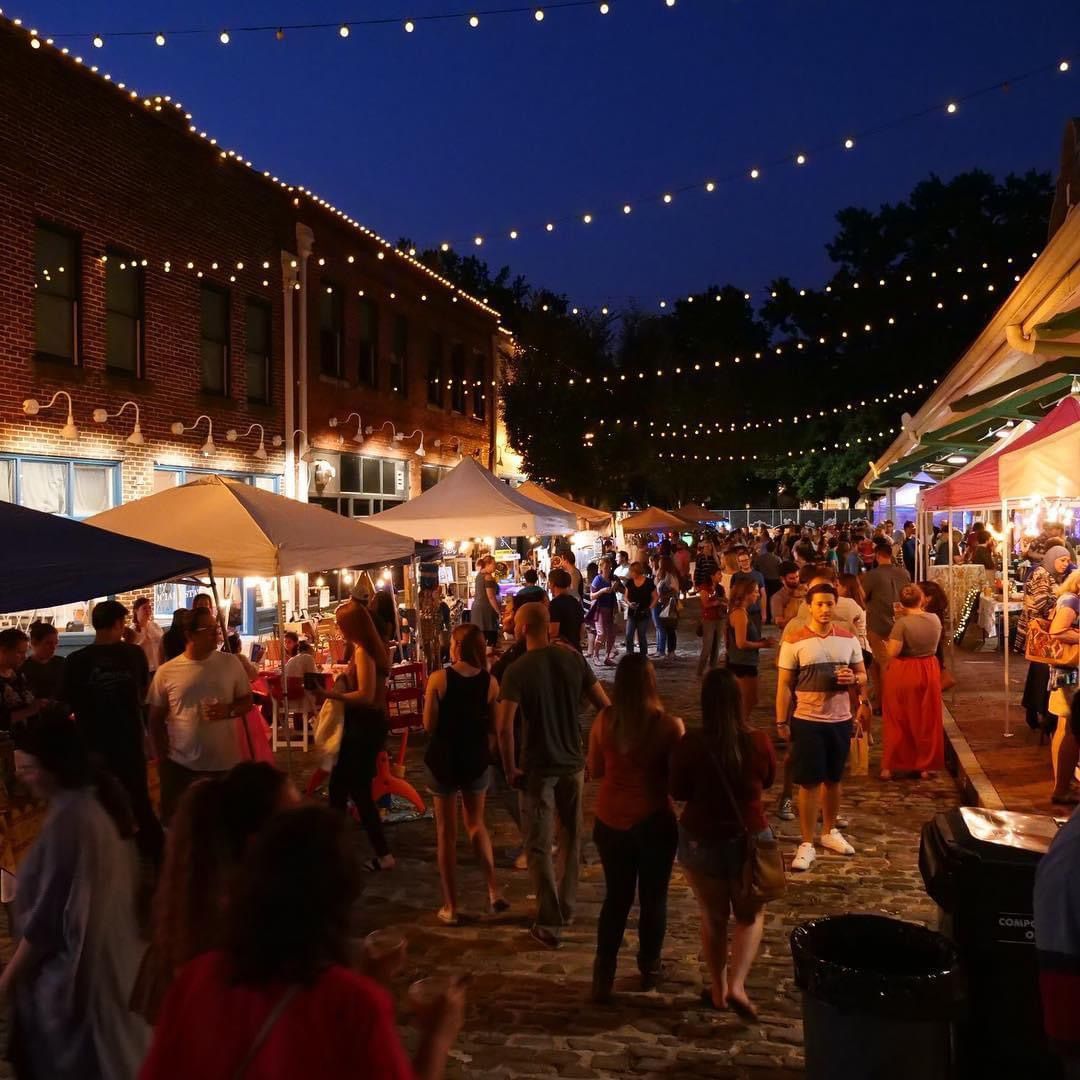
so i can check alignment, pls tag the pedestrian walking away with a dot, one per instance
(547, 685)
(635, 831)
(720, 774)
(459, 718)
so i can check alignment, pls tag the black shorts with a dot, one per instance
(743, 671)
(819, 751)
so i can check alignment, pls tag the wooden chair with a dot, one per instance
(294, 702)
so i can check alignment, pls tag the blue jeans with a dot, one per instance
(638, 626)
(661, 636)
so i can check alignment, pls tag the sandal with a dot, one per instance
(447, 917)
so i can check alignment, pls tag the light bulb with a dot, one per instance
(710, 186)
(343, 30)
(478, 240)
(755, 173)
(849, 144)
(513, 234)
(99, 41)
(667, 198)
(159, 39)
(605, 8)
(670, 3)
(1063, 66)
(474, 21)
(410, 26)
(445, 246)
(223, 37)
(951, 107)
(587, 218)
(550, 226)
(626, 208)
(538, 14)
(34, 43)
(800, 159)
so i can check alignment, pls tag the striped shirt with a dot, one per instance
(814, 659)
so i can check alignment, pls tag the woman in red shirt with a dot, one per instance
(635, 830)
(721, 773)
(280, 1000)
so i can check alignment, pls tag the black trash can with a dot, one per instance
(879, 998)
(979, 866)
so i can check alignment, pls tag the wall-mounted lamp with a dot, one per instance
(306, 451)
(232, 435)
(395, 434)
(359, 436)
(207, 447)
(31, 406)
(454, 445)
(136, 436)
(420, 449)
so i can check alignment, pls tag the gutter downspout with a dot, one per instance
(305, 241)
(288, 302)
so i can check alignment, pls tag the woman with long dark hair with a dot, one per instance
(280, 997)
(720, 773)
(744, 641)
(635, 833)
(1039, 602)
(459, 717)
(849, 587)
(362, 690)
(76, 935)
(668, 587)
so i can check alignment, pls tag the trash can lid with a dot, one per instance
(875, 965)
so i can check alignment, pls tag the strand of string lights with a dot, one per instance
(825, 448)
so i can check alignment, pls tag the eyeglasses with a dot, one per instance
(203, 629)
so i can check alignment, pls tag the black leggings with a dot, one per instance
(363, 739)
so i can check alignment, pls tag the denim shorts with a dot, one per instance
(445, 791)
(819, 751)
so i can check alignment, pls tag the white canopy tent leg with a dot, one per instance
(1006, 553)
(284, 687)
(952, 616)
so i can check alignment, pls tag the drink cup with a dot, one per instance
(381, 945)
(837, 672)
(424, 995)
(208, 704)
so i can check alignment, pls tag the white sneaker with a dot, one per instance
(834, 840)
(804, 857)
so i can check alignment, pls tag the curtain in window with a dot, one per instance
(44, 486)
(92, 493)
(7, 481)
(165, 479)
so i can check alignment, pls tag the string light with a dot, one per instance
(343, 30)
(474, 21)
(223, 37)
(823, 449)
(538, 14)
(98, 42)
(159, 39)
(410, 26)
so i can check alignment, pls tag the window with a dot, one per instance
(434, 371)
(70, 487)
(214, 339)
(430, 475)
(123, 314)
(369, 343)
(56, 294)
(457, 379)
(479, 394)
(258, 352)
(399, 364)
(331, 318)
(378, 483)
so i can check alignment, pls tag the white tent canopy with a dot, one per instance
(247, 531)
(1051, 472)
(471, 501)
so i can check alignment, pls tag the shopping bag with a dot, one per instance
(329, 727)
(859, 757)
(253, 737)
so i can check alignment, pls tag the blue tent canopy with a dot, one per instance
(53, 560)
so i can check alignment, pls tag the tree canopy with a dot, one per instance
(642, 405)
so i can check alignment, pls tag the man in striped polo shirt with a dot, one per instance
(822, 665)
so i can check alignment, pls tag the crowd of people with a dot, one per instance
(242, 959)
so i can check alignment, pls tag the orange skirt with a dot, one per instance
(911, 709)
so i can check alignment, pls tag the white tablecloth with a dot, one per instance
(990, 609)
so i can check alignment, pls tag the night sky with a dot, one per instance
(449, 132)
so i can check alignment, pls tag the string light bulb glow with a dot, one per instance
(224, 38)
(538, 14)
(410, 26)
(474, 21)
(159, 40)
(1063, 66)
(605, 8)
(343, 30)
(951, 107)
(99, 41)
(849, 143)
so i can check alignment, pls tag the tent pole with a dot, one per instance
(220, 613)
(284, 687)
(952, 614)
(1006, 552)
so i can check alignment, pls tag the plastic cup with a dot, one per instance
(380, 945)
(424, 995)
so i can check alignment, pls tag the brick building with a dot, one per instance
(146, 265)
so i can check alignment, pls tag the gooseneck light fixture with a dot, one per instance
(136, 436)
(453, 445)
(394, 433)
(420, 449)
(207, 447)
(31, 407)
(359, 436)
(232, 435)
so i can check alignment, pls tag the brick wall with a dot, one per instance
(77, 152)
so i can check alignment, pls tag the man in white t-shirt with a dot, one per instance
(194, 701)
(821, 664)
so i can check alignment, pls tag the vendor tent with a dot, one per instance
(587, 516)
(247, 531)
(652, 520)
(1043, 461)
(471, 501)
(696, 513)
(54, 560)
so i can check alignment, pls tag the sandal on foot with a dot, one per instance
(447, 917)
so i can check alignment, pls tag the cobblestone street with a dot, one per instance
(529, 1013)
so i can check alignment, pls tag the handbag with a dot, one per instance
(1042, 647)
(762, 876)
(329, 727)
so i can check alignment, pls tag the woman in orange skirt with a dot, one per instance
(911, 703)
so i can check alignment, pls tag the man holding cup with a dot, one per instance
(820, 664)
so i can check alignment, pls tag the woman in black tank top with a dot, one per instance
(458, 715)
